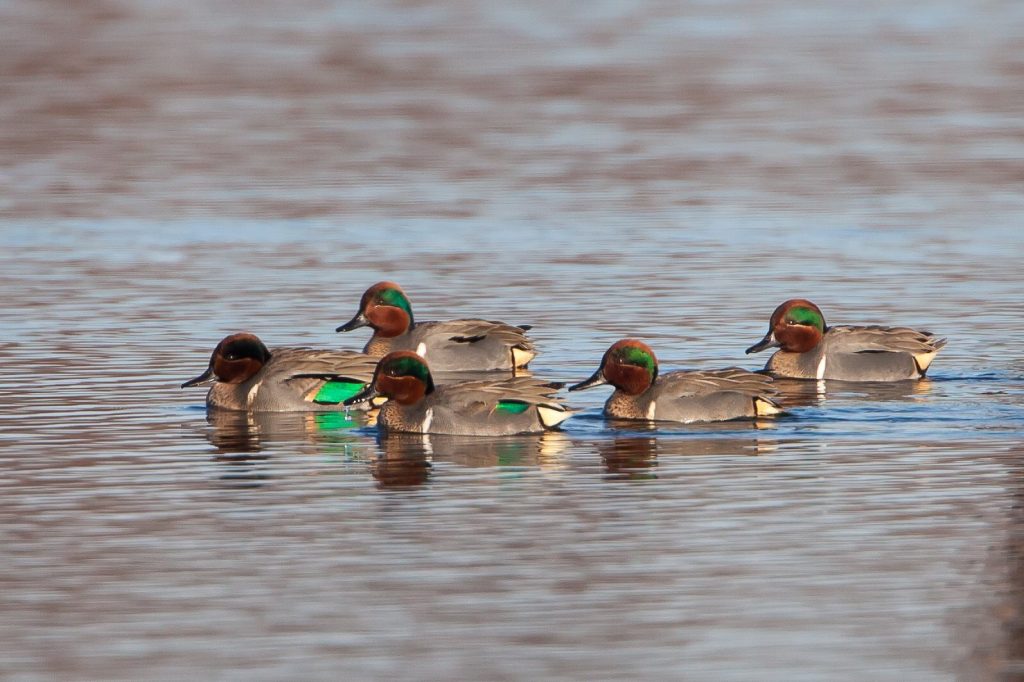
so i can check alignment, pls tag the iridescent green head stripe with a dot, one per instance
(408, 366)
(388, 294)
(395, 297)
(800, 314)
(638, 357)
(404, 363)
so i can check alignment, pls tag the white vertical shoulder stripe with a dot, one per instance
(250, 398)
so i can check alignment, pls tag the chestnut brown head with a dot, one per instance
(386, 308)
(796, 326)
(629, 365)
(401, 376)
(235, 359)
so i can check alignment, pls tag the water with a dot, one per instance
(664, 170)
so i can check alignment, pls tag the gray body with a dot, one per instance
(277, 388)
(697, 396)
(495, 345)
(470, 409)
(861, 354)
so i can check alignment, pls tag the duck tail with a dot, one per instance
(551, 414)
(766, 407)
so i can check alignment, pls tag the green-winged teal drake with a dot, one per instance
(246, 375)
(641, 393)
(812, 350)
(452, 345)
(501, 407)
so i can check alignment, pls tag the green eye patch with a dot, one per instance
(639, 358)
(396, 298)
(807, 316)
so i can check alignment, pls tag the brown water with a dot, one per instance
(172, 172)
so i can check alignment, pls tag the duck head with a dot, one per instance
(629, 365)
(796, 326)
(401, 376)
(386, 308)
(235, 359)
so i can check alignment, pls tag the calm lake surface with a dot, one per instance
(173, 172)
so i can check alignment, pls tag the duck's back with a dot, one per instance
(862, 353)
(462, 345)
(698, 396)
(480, 408)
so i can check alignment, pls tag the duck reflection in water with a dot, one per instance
(632, 454)
(632, 458)
(802, 393)
(242, 440)
(248, 432)
(403, 461)
(539, 451)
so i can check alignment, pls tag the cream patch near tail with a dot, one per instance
(521, 357)
(766, 408)
(551, 416)
(923, 360)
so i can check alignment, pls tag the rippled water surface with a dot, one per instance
(173, 172)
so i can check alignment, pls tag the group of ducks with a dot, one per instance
(393, 373)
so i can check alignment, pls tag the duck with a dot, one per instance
(247, 376)
(501, 407)
(450, 346)
(686, 396)
(810, 349)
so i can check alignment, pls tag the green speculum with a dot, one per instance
(512, 406)
(336, 391)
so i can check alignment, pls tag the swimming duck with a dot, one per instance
(246, 375)
(502, 407)
(641, 393)
(812, 350)
(453, 345)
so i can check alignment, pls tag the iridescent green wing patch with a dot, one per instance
(512, 406)
(336, 391)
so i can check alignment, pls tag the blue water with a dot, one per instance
(666, 171)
